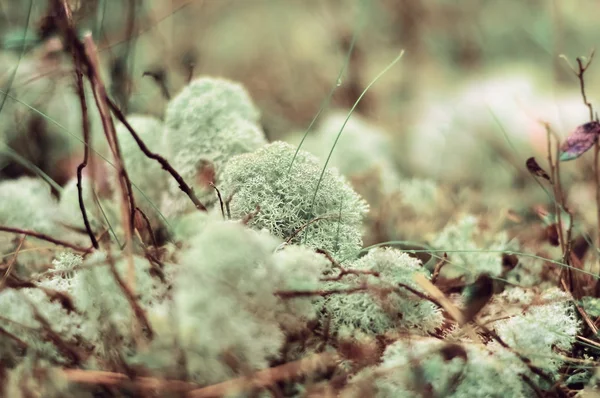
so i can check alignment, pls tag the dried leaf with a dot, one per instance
(552, 235)
(477, 296)
(535, 169)
(579, 141)
(453, 350)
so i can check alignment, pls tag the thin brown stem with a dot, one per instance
(163, 162)
(139, 312)
(290, 294)
(268, 377)
(46, 238)
(11, 263)
(220, 199)
(148, 226)
(85, 121)
(110, 379)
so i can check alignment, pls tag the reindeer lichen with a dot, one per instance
(285, 199)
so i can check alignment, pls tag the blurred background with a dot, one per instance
(456, 118)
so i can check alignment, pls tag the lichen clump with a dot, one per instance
(263, 180)
(207, 123)
(386, 306)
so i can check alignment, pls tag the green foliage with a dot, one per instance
(378, 310)
(262, 179)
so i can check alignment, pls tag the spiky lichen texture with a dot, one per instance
(476, 253)
(19, 319)
(285, 198)
(546, 328)
(146, 174)
(229, 320)
(386, 306)
(27, 203)
(414, 367)
(206, 124)
(103, 304)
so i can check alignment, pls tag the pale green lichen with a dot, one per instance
(386, 306)
(207, 123)
(28, 203)
(225, 302)
(413, 367)
(145, 173)
(547, 328)
(333, 221)
(470, 251)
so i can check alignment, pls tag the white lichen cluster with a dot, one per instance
(226, 305)
(470, 251)
(284, 196)
(386, 306)
(413, 367)
(206, 124)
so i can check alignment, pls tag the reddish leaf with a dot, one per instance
(579, 141)
(535, 169)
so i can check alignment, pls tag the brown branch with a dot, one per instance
(220, 199)
(127, 199)
(248, 217)
(580, 73)
(420, 295)
(438, 268)
(305, 225)
(290, 294)
(139, 312)
(110, 379)
(46, 238)
(11, 263)
(268, 377)
(163, 162)
(85, 121)
(5, 333)
(160, 78)
(148, 226)
(71, 42)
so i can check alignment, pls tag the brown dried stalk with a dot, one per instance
(46, 238)
(163, 162)
(290, 294)
(268, 377)
(127, 201)
(85, 121)
(110, 379)
(139, 312)
(11, 263)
